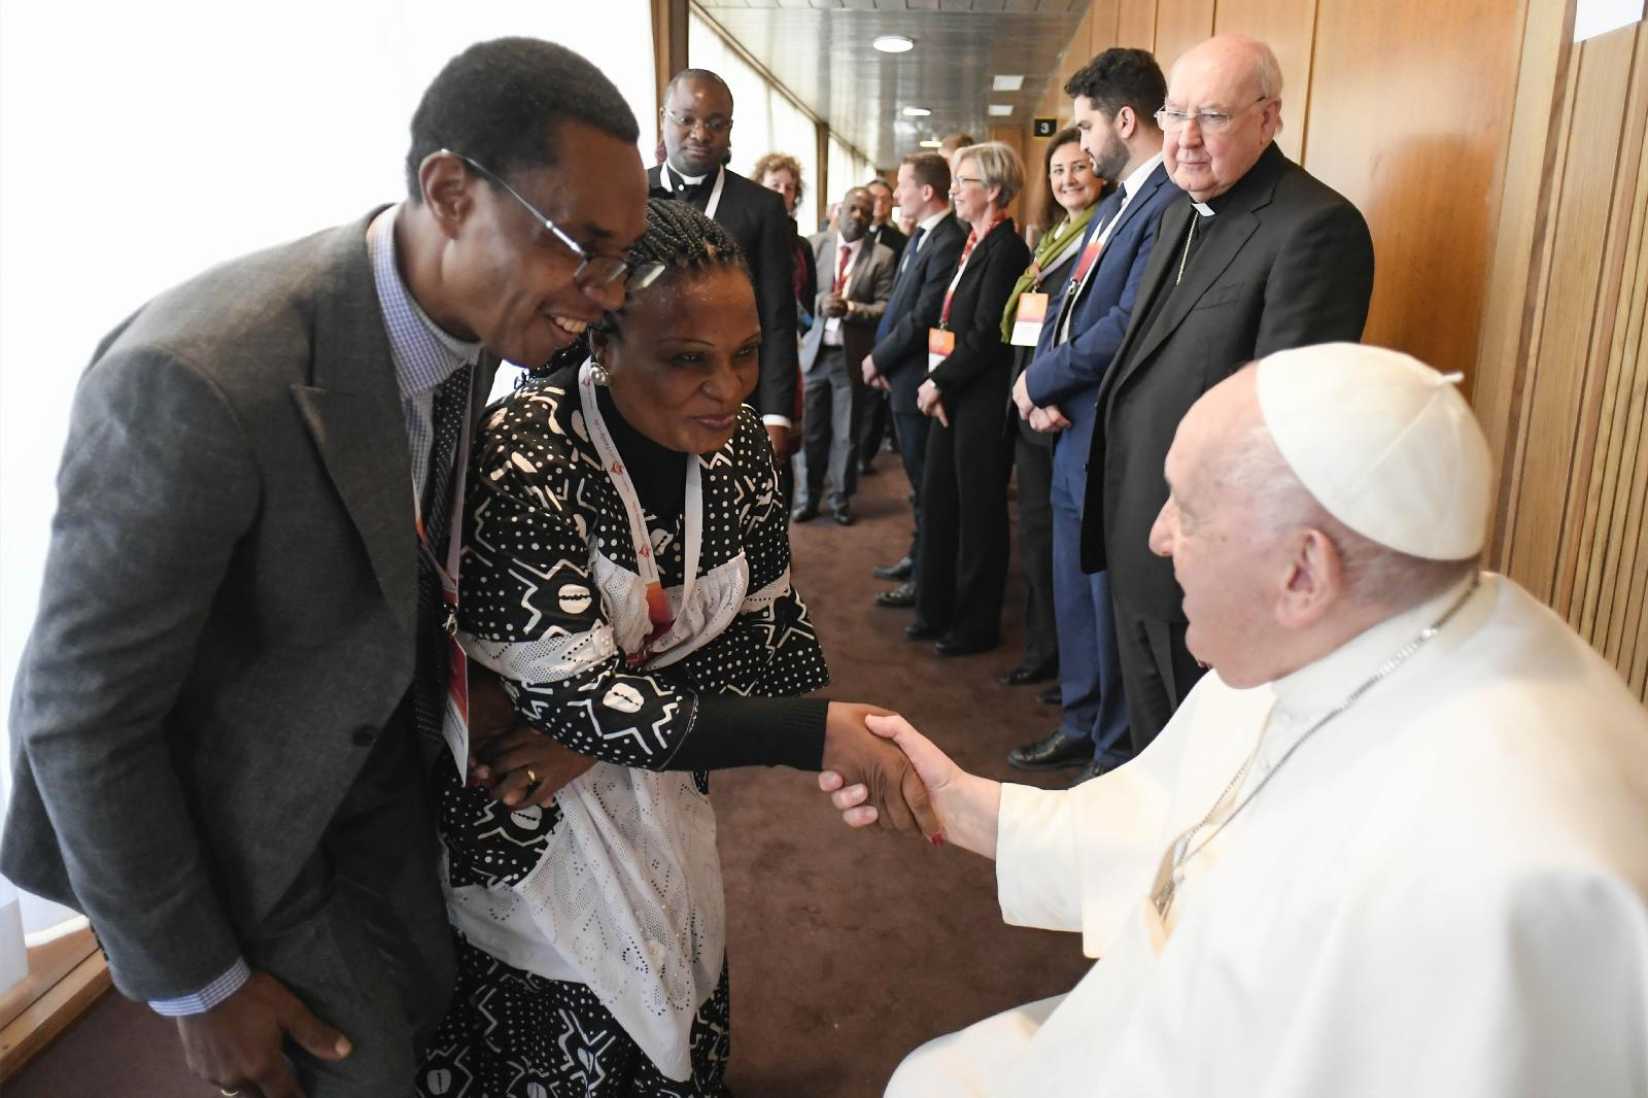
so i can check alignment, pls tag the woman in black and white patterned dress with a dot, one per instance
(626, 573)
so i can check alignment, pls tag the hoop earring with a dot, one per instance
(598, 374)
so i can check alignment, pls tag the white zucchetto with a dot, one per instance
(1385, 443)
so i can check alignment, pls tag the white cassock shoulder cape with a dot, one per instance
(1443, 892)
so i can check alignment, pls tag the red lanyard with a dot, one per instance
(841, 267)
(966, 252)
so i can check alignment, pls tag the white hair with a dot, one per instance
(1375, 575)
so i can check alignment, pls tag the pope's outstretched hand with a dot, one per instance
(966, 804)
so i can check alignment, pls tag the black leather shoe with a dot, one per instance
(902, 597)
(1028, 676)
(1062, 748)
(843, 515)
(1051, 696)
(805, 513)
(866, 468)
(899, 570)
(951, 646)
(921, 631)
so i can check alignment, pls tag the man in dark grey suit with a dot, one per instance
(898, 364)
(215, 721)
(1259, 256)
(857, 277)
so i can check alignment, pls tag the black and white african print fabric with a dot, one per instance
(510, 1033)
(551, 600)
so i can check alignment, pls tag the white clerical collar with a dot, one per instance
(1319, 686)
(1203, 208)
(1137, 176)
(689, 180)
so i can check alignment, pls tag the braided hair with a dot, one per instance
(680, 238)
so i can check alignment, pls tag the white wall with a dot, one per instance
(140, 143)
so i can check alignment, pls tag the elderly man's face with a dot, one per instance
(1207, 159)
(857, 209)
(1225, 560)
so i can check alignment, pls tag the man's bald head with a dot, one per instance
(1223, 108)
(1272, 580)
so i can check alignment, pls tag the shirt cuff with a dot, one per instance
(207, 997)
(776, 421)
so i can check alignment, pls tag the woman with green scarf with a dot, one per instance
(1073, 191)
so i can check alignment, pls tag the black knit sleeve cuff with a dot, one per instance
(733, 731)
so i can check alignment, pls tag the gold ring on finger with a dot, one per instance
(531, 776)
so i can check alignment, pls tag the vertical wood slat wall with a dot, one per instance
(1504, 175)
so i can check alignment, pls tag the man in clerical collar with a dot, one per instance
(1257, 257)
(696, 121)
(1396, 842)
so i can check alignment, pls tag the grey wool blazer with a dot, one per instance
(228, 617)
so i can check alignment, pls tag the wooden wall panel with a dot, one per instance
(1289, 28)
(1180, 24)
(1104, 25)
(1412, 127)
(1574, 302)
(1136, 25)
(1570, 390)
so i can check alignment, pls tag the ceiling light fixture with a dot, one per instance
(1008, 83)
(932, 143)
(894, 43)
(917, 112)
(1001, 110)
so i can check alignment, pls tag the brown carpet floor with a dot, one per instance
(847, 949)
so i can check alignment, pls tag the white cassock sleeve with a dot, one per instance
(1479, 987)
(1082, 859)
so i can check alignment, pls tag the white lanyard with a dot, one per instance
(715, 192)
(658, 610)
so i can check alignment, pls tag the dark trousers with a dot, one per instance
(1090, 672)
(1157, 670)
(834, 406)
(910, 430)
(362, 937)
(878, 420)
(1034, 463)
(964, 540)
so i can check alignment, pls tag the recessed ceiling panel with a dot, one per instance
(821, 50)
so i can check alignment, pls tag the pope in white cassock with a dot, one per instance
(1396, 845)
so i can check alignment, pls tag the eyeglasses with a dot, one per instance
(596, 271)
(960, 179)
(716, 125)
(1173, 121)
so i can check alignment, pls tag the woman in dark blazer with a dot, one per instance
(964, 492)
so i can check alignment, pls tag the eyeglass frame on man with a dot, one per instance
(594, 270)
(1172, 121)
(715, 124)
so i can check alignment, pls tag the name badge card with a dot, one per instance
(941, 344)
(1027, 322)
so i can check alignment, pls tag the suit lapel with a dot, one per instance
(1210, 262)
(353, 414)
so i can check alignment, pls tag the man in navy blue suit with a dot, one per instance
(1116, 97)
(898, 364)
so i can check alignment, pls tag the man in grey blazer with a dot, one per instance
(215, 720)
(1258, 256)
(855, 276)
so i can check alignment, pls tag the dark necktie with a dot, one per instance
(451, 403)
(885, 324)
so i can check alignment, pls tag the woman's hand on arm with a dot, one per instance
(967, 806)
(521, 765)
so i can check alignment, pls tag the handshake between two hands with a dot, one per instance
(877, 768)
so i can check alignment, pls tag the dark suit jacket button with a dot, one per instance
(364, 736)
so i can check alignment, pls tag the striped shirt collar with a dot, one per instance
(424, 354)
